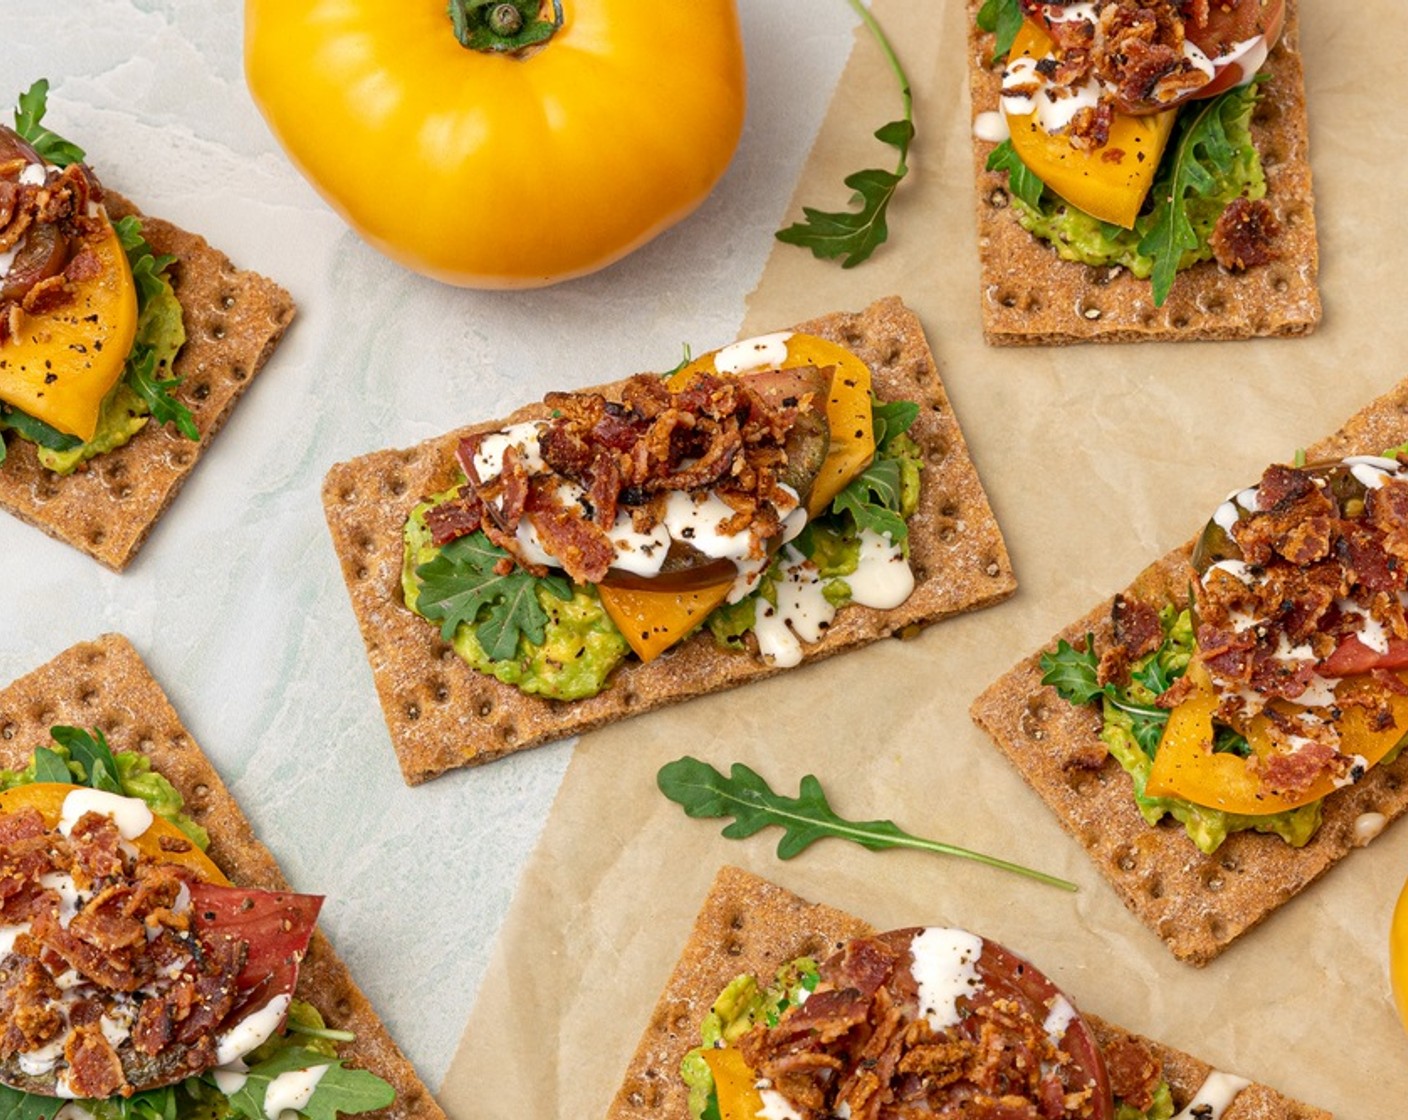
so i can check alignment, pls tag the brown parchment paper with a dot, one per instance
(1097, 459)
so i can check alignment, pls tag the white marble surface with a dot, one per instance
(236, 601)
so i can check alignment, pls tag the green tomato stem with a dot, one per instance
(510, 27)
(906, 97)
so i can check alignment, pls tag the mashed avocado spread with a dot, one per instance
(1076, 236)
(581, 644)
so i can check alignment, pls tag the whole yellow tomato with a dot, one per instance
(558, 140)
(1398, 955)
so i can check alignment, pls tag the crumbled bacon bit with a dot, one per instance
(1134, 1071)
(1245, 234)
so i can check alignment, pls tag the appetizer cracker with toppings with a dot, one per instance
(1142, 171)
(124, 344)
(1249, 687)
(783, 1008)
(613, 550)
(156, 964)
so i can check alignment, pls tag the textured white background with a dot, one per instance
(236, 601)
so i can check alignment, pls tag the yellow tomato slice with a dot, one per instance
(59, 366)
(48, 799)
(1109, 182)
(653, 621)
(734, 1082)
(1185, 765)
(1398, 955)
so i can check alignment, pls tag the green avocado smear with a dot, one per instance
(1133, 724)
(746, 1002)
(84, 758)
(554, 639)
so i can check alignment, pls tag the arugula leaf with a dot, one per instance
(338, 1090)
(856, 234)
(145, 264)
(92, 753)
(36, 430)
(873, 499)
(462, 581)
(165, 409)
(50, 146)
(890, 419)
(50, 766)
(1073, 672)
(18, 1105)
(1004, 19)
(805, 819)
(1022, 181)
(1201, 152)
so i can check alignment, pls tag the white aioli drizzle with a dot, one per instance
(776, 1106)
(767, 351)
(131, 814)
(251, 1031)
(291, 1090)
(990, 125)
(1216, 1093)
(945, 966)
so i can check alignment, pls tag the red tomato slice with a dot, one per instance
(276, 925)
(1353, 656)
(1006, 976)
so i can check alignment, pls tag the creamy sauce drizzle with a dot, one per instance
(767, 351)
(292, 1090)
(945, 966)
(252, 1031)
(990, 125)
(776, 1106)
(131, 814)
(1213, 1097)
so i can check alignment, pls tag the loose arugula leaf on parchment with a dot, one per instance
(1004, 19)
(462, 580)
(339, 1090)
(855, 234)
(805, 819)
(50, 146)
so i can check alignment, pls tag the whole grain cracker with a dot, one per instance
(1030, 296)
(749, 925)
(104, 684)
(233, 321)
(443, 714)
(1198, 904)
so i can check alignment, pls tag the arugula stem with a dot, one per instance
(858, 833)
(906, 97)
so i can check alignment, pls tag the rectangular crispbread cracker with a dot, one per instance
(104, 684)
(442, 714)
(233, 321)
(1198, 904)
(1032, 297)
(748, 925)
